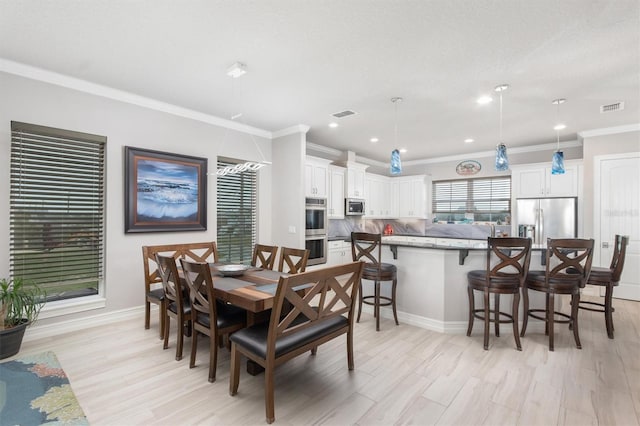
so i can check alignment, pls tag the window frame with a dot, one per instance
(45, 143)
(238, 254)
(470, 196)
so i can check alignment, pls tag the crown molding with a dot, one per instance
(299, 128)
(609, 131)
(324, 149)
(73, 83)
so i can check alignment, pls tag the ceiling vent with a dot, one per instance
(618, 106)
(343, 114)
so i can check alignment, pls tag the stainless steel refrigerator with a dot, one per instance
(542, 218)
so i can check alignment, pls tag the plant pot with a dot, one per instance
(11, 339)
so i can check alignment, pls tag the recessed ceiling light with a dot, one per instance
(485, 99)
(403, 150)
(468, 140)
(333, 125)
(560, 126)
(374, 140)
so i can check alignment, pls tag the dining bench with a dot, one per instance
(324, 311)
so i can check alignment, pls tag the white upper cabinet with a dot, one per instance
(316, 177)
(379, 203)
(534, 181)
(413, 196)
(355, 180)
(335, 201)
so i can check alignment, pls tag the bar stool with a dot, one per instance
(368, 248)
(609, 278)
(507, 265)
(568, 264)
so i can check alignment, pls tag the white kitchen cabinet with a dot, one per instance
(316, 177)
(413, 196)
(379, 198)
(534, 181)
(338, 252)
(335, 201)
(355, 180)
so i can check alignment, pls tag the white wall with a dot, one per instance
(288, 191)
(124, 124)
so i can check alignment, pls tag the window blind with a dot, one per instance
(236, 214)
(57, 211)
(482, 195)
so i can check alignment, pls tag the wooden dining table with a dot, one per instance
(254, 290)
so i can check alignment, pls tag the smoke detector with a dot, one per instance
(617, 106)
(237, 70)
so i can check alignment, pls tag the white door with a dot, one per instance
(617, 211)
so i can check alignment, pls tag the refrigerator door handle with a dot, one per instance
(541, 226)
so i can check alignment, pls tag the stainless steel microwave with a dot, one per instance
(353, 207)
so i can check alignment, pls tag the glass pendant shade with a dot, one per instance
(396, 165)
(557, 163)
(502, 162)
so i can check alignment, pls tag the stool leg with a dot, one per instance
(608, 309)
(525, 312)
(546, 309)
(496, 318)
(359, 302)
(514, 314)
(575, 301)
(376, 307)
(393, 300)
(472, 307)
(486, 319)
(550, 318)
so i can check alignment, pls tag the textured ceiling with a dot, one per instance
(307, 60)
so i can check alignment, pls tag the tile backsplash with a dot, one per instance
(419, 227)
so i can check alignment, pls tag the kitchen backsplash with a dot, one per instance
(419, 227)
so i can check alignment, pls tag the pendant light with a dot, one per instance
(396, 165)
(237, 70)
(502, 161)
(557, 160)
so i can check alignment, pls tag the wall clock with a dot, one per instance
(468, 167)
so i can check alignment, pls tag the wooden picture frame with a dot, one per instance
(164, 192)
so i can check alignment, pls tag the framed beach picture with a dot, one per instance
(164, 191)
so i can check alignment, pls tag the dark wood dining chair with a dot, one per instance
(367, 248)
(293, 260)
(324, 312)
(568, 265)
(154, 293)
(507, 265)
(264, 256)
(209, 316)
(608, 278)
(176, 300)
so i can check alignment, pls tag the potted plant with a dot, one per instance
(20, 304)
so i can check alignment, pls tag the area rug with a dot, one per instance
(34, 390)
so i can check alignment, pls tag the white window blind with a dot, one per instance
(57, 211)
(482, 195)
(237, 214)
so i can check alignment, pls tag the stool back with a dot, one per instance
(617, 261)
(568, 260)
(366, 247)
(508, 260)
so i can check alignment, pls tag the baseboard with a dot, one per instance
(38, 331)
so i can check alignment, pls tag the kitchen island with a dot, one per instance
(432, 280)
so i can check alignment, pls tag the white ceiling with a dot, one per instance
(309, 59)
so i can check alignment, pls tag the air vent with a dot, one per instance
(618, 106)
(343, 114)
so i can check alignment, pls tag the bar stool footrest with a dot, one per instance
(477, 312)
(384, 300)
(555, 313)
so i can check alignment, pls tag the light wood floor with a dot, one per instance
(403, 375)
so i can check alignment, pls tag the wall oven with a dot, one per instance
(316, 220)
(316, 216)
(317, 246)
